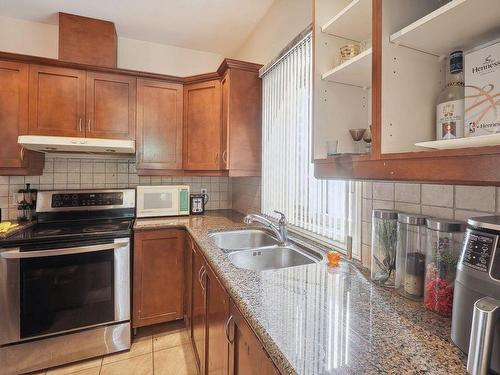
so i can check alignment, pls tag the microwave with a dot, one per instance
(165, 200)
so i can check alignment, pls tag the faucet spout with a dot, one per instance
(280, 231)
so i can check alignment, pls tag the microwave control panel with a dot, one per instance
(479, 249)
(87, 199)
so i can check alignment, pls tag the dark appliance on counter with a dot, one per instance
(476, 306)
(25, 200)
(65, 281)
(198, 203)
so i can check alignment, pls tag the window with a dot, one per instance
(320, 207)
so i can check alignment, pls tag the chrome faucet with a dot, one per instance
(279, 230)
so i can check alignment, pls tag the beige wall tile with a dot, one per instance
(408, 193)
(384, 205)
(407, 207)
(463, 215)
(441, 212)
(383, 191)
(437, 195)
(367, 189)
(478, 198)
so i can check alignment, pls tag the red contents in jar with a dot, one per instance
(438, 295)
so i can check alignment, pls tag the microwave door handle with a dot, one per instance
(486, 315)
(16, 253)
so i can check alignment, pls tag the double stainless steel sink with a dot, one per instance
(257, 250)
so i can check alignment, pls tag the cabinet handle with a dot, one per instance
(228, 339)
(88, 125)
(224, 157)
(216, 157)
(202, 269)
(80, 125)
(21, 156)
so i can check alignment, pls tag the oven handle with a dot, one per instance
(15, 253)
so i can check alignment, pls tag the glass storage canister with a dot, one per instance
(444, 246)
(384, 238)
(410, 256)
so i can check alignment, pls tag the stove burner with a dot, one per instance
(101, 228)
(50, 232)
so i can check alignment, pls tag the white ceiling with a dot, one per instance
(219, 26)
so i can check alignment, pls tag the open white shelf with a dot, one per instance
(355, 72)
(354, 22)
(448, 144)
(459, 24)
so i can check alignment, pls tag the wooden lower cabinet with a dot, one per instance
(217, 315)
(246, 354)
(158, 284)
(198, 309)
(222, 340)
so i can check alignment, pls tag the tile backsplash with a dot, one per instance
(246, 194)
(445, 201)
(99, 173)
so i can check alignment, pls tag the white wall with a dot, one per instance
(29, 38)
(161, 58)
(283, 22)
(39, 39)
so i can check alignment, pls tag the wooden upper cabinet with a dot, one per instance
(158, 283)
(56, 101)
(110, 106)
(241, 122)
(202, 126)
(159, 125)
(14, 119)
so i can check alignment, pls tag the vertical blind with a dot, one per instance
(288, 182)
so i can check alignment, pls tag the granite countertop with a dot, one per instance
(313, 319)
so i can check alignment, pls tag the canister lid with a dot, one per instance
(486, 222)
(445, 225)
(385, 214)
(412, 219)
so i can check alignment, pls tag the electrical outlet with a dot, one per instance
(204, 191)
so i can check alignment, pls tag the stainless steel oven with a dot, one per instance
(64, 297)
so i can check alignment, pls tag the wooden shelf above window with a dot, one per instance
(355, 72)
(459, 24)
(353, 22)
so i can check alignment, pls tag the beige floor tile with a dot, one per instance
(175, 361)
(169, 335)
(140, 345)
(77, 367)
(141, 365)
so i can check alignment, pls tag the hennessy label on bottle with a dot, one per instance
(450, 122)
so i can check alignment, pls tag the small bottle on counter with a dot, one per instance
(444, 246)
(410, 257)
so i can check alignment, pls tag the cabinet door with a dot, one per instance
(158, 276)
(14, 160)
(246, 355)
(188, 299)
(225, 87)
(217, 314)
(110, 106)
(202, 126)
(198, 313)
(56, 101)
(159, 125)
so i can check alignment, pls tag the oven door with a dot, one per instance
(55, 290)
(157, 201)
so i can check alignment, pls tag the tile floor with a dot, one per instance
(158, 350)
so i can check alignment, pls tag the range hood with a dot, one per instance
(75, 144)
